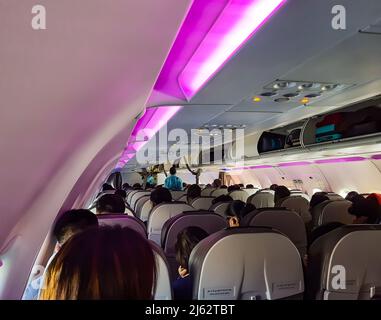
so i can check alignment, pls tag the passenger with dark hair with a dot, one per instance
(249, 186)
(110, 203)
(241, 185)
(126, 186)
(186, 241)
(193, 192)
(273, 187)
(137, 186)
(365, 210)
(121, 193)
(281, 192)
(233, 188)
(351, 195)
(222, 198)
(107, 187)
(160, 195)
(224, 186)
(106, 263)
(317, 198)
(173, 182)
(236, 211)
(66, 226)
(216, 183)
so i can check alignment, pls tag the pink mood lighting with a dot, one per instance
(376, 157)
(147, 126)
(294, 164)
(239, 20)
(336, 160)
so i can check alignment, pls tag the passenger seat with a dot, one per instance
(202, 203)
(123, 221)
(262, 199)
(298, 204)
(331, 211)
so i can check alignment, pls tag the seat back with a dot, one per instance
(286, 221)
(183, 198)
(331, 211)
(202, 203)
(146, 209)
(177, 194)
(345, 264)
(129, 196)
(298, 204)
(295, 193)
(262, 199)
(160, 214)
(219, 192)
(163, 282)
(246, 264)
(206, 192)
(124, 221)
(139, 204)
(136, 196)
(220, 207)
(239, 195)
(251, 191)
(334, 196)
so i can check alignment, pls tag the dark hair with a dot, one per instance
(273, 186)
(107, 187)
(224, 186)
(72, 222)
(101, 264)
(217, 183)
(222, 198)
(233, 187)
(239, 209)
(186, 241)
(126, 186)
(122, 193)
(137, 186)
(241, 185)
(160, 195)
(351, 195)
(318, 198)
(280, 193)
(172, 171)
(365, 207)
(193, 192)
(249, 186)
(322, 230)
(112, 203)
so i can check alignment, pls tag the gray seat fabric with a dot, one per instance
(206, 220)
(298, 204)
(129, 196)
(183, 198)
(239, 195)
(163, 290)
(202, 203)
(219, 192)
(177, 194)
(331, 211)
(251, 191)
(145, 211)
(334, 196)
(139, 204)
(206, 192)
(246, 264)
(354, 247)
(136, 196)
(220, 207)
(123, 221)
(300, 194)
(160, 214)
(286, 221)
(262, 199)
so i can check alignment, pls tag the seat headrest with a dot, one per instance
(219, 192)
(220, 207)
(262, 199)
(331, 211)
(123, 221)
(206, 220)
(202, 203)
(299, 204)
(246, 263)
(239, 195)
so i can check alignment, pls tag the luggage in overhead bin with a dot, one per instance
(365, 121)
(293, 139)
(270, 141)
(331, 127)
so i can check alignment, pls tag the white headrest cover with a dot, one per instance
(246, 263)
(206, 192)
(262, 200)
(202, 203)
(219, 192)
(145, 211)
(220, 208)
(163, 282)
(239, 195)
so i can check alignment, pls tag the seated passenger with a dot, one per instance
(107, 187)
(68, 224)
(281, 192)
(125, 186)
(173, 182)
(273, 187)
(193, 192)
(216, 183)
(351, 195)
(236, 211)
(376, 197)
(222, 198)
(241, 185)
(122, 193)
(105, 263)
(365, 210)
(224, 186)
(110, 203)
(160, 195)
(137, 186)
(233, 188)
(317, 198)
(186, 241)
(249, 186)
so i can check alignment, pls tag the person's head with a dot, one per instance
(187, 239)
(233, 187)
(249, 186)
(317, 198)
(137, 186)
(364, 210)
(172, 171)
(126, 186)
(193, 192)
(241, 185)
(322, 230)
(273, 186)
(222, 198)
(72, 222)
(110, 203)
(104, 263)
(217, 183)
(236, 211)
(107, 187)
(224, 186)
(160, 195)
(280, 193)
(122, 193)
(351, 195)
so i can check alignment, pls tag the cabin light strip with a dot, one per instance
(294, 164)
(376, 157)
(338, 160)
(148, 125)
(238, 21)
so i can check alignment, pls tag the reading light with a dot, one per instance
(238, 21)
(305, 100)
(257, 99)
